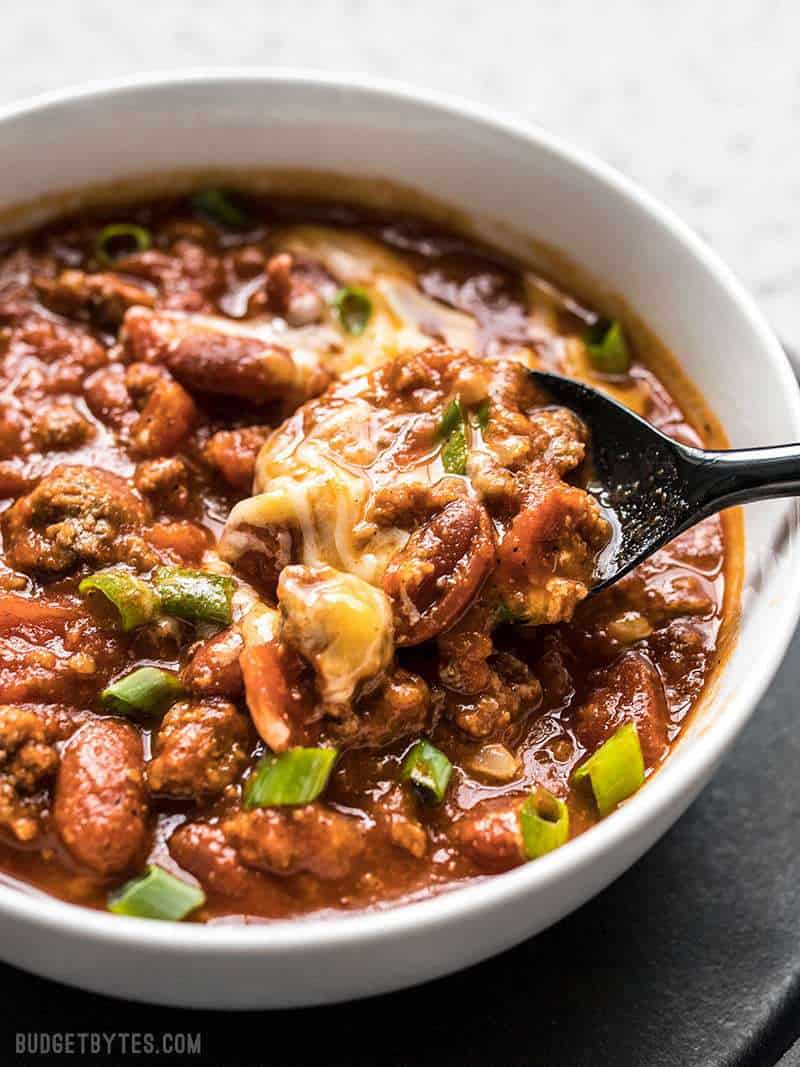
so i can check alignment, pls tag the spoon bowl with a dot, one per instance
(652, 488)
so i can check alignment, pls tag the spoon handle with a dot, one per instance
(722, 479)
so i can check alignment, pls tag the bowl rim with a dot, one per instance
(675, 779)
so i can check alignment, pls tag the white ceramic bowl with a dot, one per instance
(512, 175)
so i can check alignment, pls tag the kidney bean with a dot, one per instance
(100, 810)
(630, 690)
(434, 579)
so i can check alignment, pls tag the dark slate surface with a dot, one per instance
(692, 959)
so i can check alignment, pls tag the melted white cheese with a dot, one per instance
(340, 624)
(324, 502)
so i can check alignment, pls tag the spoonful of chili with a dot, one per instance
(653, 488)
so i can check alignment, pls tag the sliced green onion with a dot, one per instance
(615, 770)
(144, 692)
(503, 613)
(195, 595)
(156, 894)
(544, 822)
(133, 598)
(222, 206)
(451, 430)
(483, 413)
(452, 418)
(121, 239)
(607, 347)
(428, 770)
(296, 776)
(354, 309)
(454, 453)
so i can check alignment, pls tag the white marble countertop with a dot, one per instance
(697, 100)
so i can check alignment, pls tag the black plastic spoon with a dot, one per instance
(653, 488)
